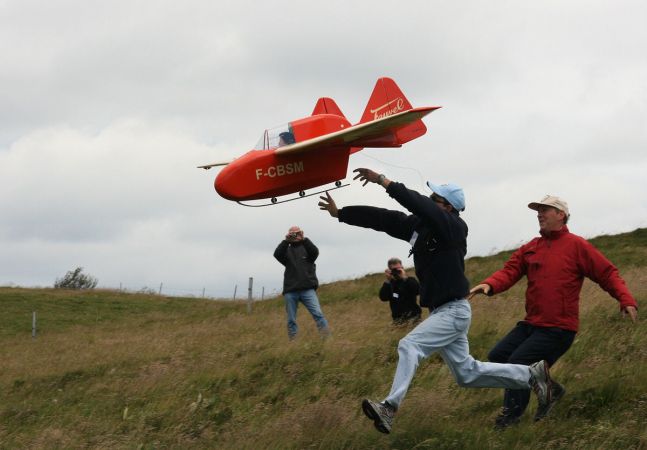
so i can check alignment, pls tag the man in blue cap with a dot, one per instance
(438, 237)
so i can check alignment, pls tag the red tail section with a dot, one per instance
(327, 105)
(386, 100)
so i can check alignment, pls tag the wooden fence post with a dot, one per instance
(249, 295)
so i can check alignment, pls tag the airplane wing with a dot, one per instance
(209, 166)
(361, 134)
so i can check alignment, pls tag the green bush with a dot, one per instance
(76, 279)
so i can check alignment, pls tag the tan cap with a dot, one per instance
(551, 200)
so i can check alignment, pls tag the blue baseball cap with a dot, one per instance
(450, 192)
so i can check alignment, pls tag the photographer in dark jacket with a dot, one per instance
(298, 254)
(401, 291)
(439, 239)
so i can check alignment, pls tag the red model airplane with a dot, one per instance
(314, 151)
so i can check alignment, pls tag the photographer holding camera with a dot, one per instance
(298, 254)
(401, 291)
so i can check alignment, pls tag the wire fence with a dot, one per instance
(235, 293)
(248, 295)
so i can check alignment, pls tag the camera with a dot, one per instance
(293, 235)
(395, 272)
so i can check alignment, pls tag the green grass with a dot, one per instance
(114, 370)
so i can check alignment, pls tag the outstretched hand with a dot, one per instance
(631, 312)
(479, 289)
(328, 204)
(366, 175)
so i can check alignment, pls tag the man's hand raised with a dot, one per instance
(328, 204)
(366, 175)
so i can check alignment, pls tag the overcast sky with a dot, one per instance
(106, 109)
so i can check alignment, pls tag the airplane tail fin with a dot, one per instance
(386, 100)
(326, 105)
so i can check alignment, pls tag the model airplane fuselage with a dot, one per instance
(314, 151)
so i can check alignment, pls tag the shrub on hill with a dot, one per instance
(76, 279)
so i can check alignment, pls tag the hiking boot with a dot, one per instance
(380, 413)
(557, 391)
(541, 384)
(505, 419)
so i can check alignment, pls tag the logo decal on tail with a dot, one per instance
(398, 105)
(386, 100)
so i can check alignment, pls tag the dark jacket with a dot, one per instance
(439, 240)
(299, 261)
(402, 296)
(555, 265)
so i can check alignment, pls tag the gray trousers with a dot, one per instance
(445, 331)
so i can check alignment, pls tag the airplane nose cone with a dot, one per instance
(223, 185)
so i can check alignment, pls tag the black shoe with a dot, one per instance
(380, 413)
(557, 391)
(505, 419)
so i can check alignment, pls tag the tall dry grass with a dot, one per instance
(114, 371)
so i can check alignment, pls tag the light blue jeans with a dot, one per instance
(445, 331)
(309, 299)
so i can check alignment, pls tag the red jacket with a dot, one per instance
(556, 264)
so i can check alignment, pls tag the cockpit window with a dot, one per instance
(276, 137)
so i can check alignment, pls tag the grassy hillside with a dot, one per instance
(111, 370)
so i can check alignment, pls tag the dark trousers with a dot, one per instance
(526, 344)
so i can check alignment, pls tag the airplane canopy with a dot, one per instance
(276, 137)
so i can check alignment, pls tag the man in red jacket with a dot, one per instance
(555, 264)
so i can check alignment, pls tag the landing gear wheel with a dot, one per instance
(302, 194)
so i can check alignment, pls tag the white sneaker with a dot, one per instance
(557, 391)
(541, 384)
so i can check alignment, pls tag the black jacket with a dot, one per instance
(299, 261)
(402, 296)
(438, 237)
